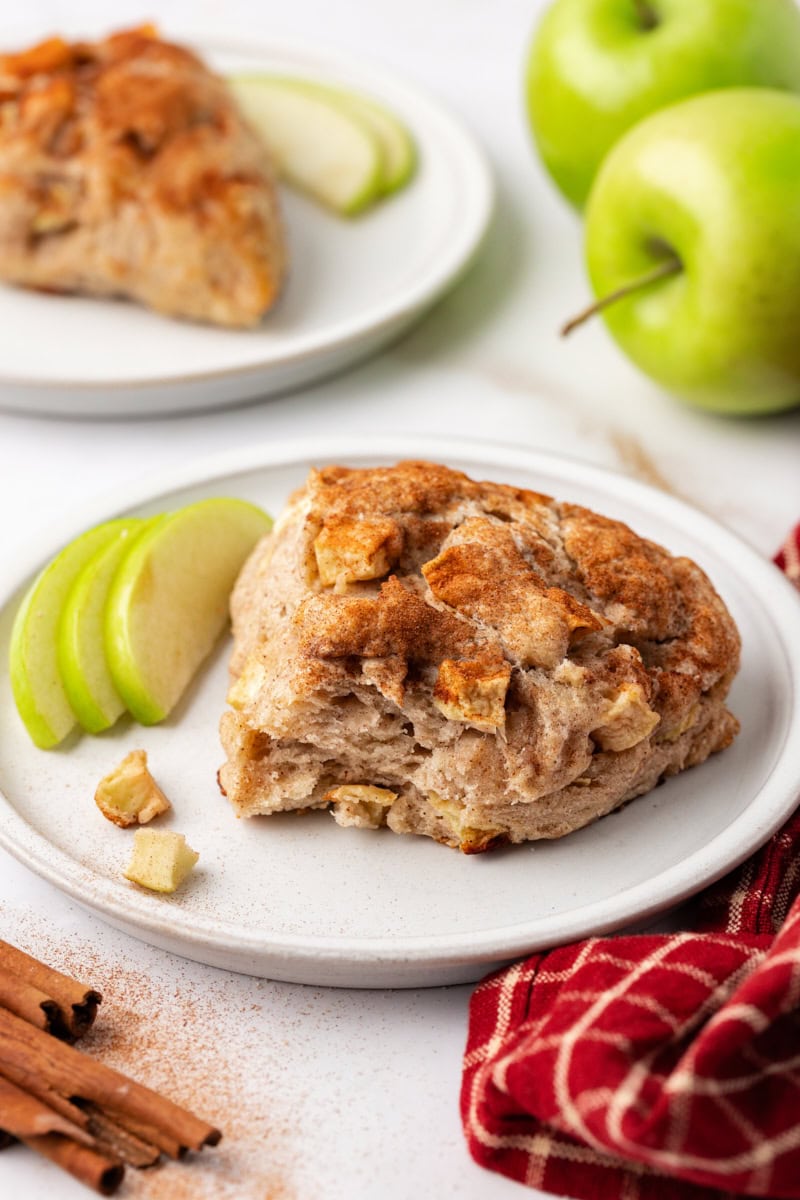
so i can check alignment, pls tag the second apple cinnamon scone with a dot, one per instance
(127, 170)
(469, 661)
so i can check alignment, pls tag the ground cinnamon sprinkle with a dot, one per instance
(196, 1046)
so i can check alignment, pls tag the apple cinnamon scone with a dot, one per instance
(470, 661)
(126, 169)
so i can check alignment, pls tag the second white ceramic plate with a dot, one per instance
(353, 284)
(296, 897)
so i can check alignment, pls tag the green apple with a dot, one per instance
(706, 194)
(597, 67)
(168, 601)
(39, 693)
(322, 148)
(81, 652)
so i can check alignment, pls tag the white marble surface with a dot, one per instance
(360, 1089)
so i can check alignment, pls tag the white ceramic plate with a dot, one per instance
(296, 897)
(354, 284)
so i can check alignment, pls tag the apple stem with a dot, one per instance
(648, 17)
(669, 266)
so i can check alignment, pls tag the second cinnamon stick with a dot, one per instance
(87, 1165)
(44, 996)
(25, 1118)
(51, 1069)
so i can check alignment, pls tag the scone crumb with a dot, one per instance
(161, 860)
(473, 691)
(628, 719)
(360, 805)
(129, 794)
(475, 841)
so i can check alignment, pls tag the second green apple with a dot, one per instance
(708, 191)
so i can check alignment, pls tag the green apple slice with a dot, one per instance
(168, 601)
(399, 150)
(397, 144)
(81, 640)
(320, 147)
(39, 693)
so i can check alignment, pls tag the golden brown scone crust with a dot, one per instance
(500, 665)
(127, 170)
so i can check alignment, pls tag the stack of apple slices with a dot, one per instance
(123, 617)
(339, 147)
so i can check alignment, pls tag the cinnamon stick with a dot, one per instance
(43, 996)
(87, 1165)
(24, 1116)
(27, 1119)
(46, 1068)
(32, 1005)
(111, 1138)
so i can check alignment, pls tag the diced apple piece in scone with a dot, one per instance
(470, 661)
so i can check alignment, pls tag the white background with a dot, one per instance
(364, 1092)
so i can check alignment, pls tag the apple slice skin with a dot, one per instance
(299, 128)
(399, 149)
(81, 654)
(36, 683)
(399, 153)
(168, 601)
(716, 180)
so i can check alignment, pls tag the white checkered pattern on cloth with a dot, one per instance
(652, 1067)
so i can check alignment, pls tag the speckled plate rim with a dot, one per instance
(212, 940)
(452, 258)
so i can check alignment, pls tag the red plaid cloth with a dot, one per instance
(788, 557)
(654, 1066)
